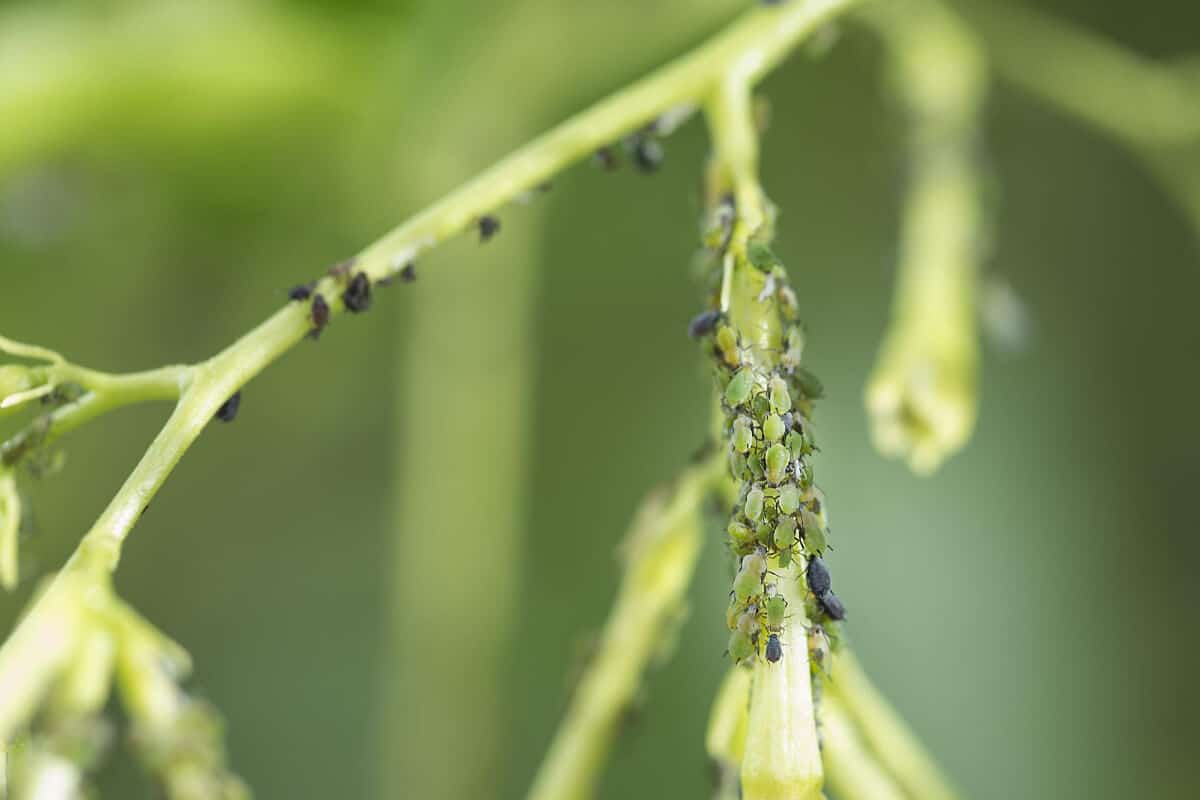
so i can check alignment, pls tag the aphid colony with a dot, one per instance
(779, 515)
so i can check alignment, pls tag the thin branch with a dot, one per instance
(663, 545)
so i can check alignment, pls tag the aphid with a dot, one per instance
(743, 434)
(761, 256)
(832, 606)
(738, 466)
(814, 533)
(703, 324)
(229, 409)
(647, 154)
(773, 428)
(777, 608)
(301, 292)
(606, 159)
(817, 576)
(785, 533)
(740, 385)
(774, 648)
(809, 384)
(357, 296)
(764, 534)
(319, 315)
(489, 226)
(753, 507)
(741, 535)
(789, 499)
(747, 622)
(788, 303)
(342, 269)
(781, 399)
(727, 343)
(795, 444)
(785, 558)
(749, 577)
(777, 461)
(741, 646)
(409, 273)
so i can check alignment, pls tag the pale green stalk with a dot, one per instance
(852, 769)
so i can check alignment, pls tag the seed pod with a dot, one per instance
(773, 428)
(740, 385)
(777, 459)
(740, 646)
(817, 576)
(785, 533)
(832, 606)
(703, 324)
(774, 648)
(781, 399)
(743, 434)
(753, 507)
(789, 498)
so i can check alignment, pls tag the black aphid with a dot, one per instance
(774, 648)
(409, 273)
(606, 159)
(229, 409)
(832, 606)
(357, 296)
(489, 226)
(818, 576)
(647, 154)
(301, 292)
(703, 323)
(319, 315)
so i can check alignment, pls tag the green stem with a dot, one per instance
(885, 733)
(852, 769)
(663, 543)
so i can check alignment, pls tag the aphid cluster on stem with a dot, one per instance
(779, 517)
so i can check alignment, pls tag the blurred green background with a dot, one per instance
(167, 170)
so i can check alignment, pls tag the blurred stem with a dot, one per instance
(1152, 108)
(853, 771)
(884, 732)
(922, 395)
(662, 547)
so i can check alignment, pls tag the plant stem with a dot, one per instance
(853, 771)
(884, 732)
(663, 545)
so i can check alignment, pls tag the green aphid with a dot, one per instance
(793, 347)
(773, 428)
(785, 558)
(741, 646)
(789, 499)
(785, 533)
(747, 622)
(781, 399)
(727, 342)
(788, 303)
(748, 580)
(761, 256)
(732, 612)
(796, 445)
(814, 533)
(776, 608)
(753, 507)
(738, 390)
(737, 465)
(743, 434)
(764, 533)
(757, 466)
(760, 405)
(777, 459)
(741, 536)
(809, 384)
